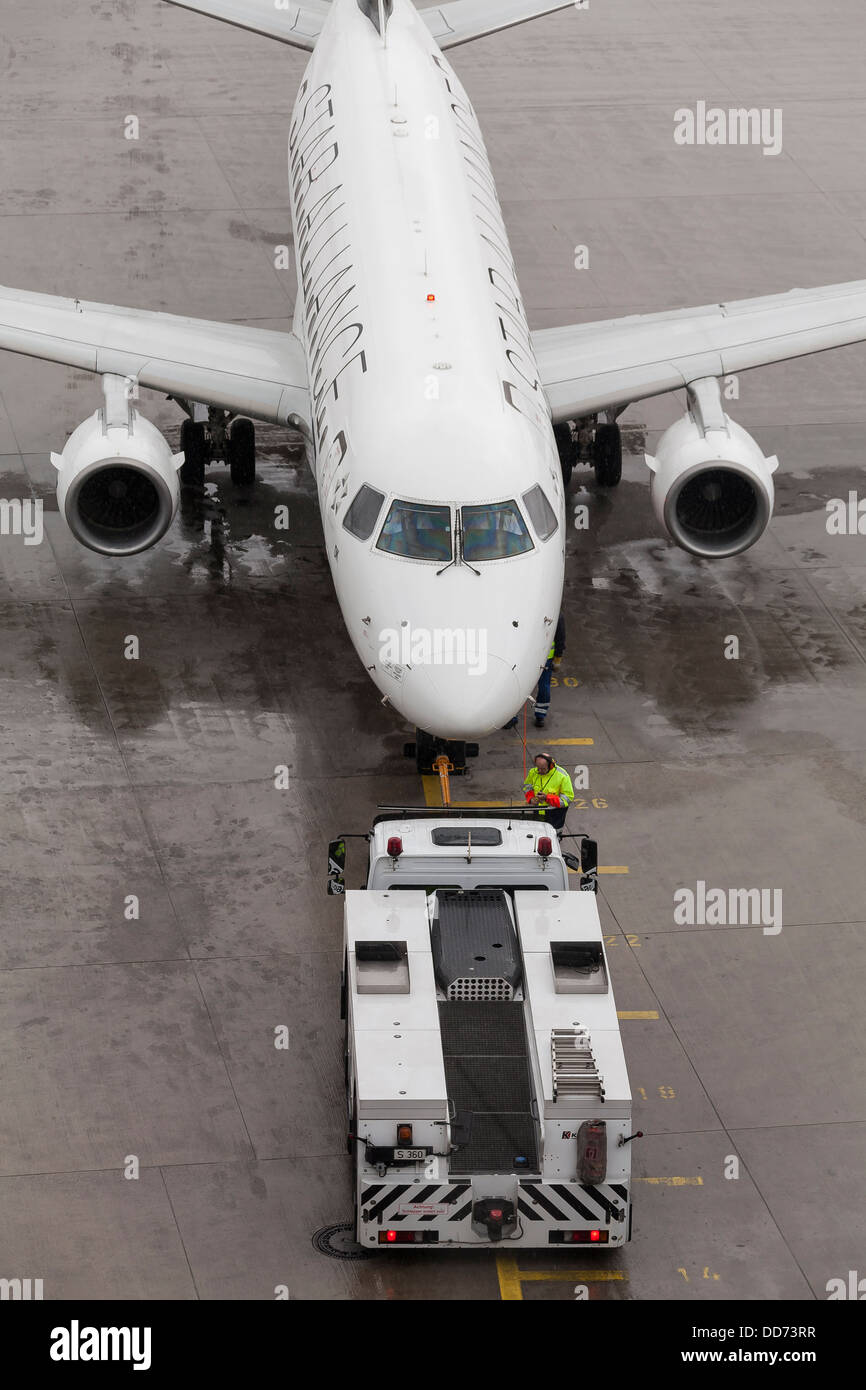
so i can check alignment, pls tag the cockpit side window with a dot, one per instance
(417, 531)
(541, 514)
(494, 532)
(360, 520)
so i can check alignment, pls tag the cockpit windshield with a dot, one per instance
(494, 532)
(360, 520)
(541, 514)
(417, 532)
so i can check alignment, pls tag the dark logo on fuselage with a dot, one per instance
(328, 280)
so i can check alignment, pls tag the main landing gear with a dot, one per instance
(595, 441)
(210, 434)
(427, 750)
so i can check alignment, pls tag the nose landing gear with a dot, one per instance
(429, 753)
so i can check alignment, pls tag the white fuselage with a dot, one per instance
(423, 380)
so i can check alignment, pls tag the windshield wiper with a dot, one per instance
(458, 558)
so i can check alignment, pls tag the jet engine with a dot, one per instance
(712, 487)
(117, 486)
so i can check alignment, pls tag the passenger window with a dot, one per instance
(360, 520)
(541, 514)
(417, 532)
(494, 532)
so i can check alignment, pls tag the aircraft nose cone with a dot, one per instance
(461, 702)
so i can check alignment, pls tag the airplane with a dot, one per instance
(441, 431)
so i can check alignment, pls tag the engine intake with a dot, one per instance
(712, 487)
(117, 488)
(718, 511)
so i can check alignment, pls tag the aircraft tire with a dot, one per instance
(193, 443)
(567, 449)
(242, 452)
(607, 455)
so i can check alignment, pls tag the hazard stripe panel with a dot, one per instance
(610, 1208)
(406, 1195)
(597, 1204)
(528, 1211)
(535, 1194)
(556, 1203)
(568, 1196)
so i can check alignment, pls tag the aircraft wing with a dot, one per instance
(251, 371)
(593, 366)
(460, 21)
(299, 25)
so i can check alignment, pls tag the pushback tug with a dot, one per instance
(487, 1091)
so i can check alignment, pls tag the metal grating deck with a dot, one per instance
(487, 1072)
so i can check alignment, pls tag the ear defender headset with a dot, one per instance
(548, 759)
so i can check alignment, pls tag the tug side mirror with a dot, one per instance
(588, 866)
(461, 1129)
(337, 867)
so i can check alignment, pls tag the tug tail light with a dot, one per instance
(578, 1238)
(408, 1237)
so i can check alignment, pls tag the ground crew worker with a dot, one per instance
(542, 694)
(554, 657)
(549, 788)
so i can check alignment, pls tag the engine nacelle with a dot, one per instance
(117, 486)
(712, 488)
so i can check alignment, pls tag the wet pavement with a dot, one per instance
(145, 1043)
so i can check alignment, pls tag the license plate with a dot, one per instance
(410, 1155)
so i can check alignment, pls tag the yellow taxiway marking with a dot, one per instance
(636, 1013)
(511, 1278)
(565, 742)
(673, 1182)
(577, 1276)
(608, 869)
(433, 797)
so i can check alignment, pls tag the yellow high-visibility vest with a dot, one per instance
(556, 782)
